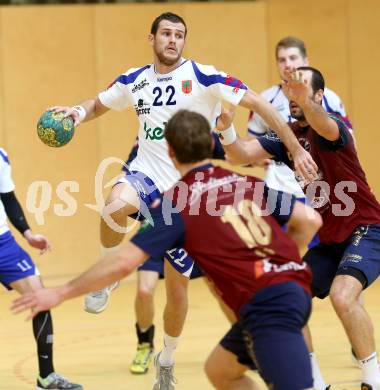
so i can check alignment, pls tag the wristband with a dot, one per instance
(227, 137)
(81, 112)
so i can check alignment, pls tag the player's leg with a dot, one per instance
(43, 334)
(147, 278)
(225, 367)
(360, 266)
(272, 322)
(122, 201)
(177, 273)
(323, 261)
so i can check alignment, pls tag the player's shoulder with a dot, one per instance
(132, 74)
(331, 96)
(3, 156)
(205, 69)
(270, 92)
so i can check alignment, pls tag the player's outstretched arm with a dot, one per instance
(303, 162)
(84, 111)
(241, 151)
(245, 152)
(303, 224)
(111, 268)
(296, 89)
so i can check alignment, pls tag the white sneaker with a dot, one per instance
(164, 376)
(97, 301)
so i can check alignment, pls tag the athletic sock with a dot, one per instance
(319, 383)
(370, 370)
(43, 334)
(145, 335)
(167, 353)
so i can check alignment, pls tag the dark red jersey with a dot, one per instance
(231, 226)
(341, 193)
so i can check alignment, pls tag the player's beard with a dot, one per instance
(300, 116)
(168, 61)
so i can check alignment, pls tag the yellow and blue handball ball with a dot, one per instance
(54, 129)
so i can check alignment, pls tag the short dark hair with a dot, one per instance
(317, 80)
(288, 42)
(166, 16)
(189, 134)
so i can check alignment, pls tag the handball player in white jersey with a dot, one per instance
(157, 91)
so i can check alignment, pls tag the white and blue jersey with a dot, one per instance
(279, 176)
(156, 97)
(15, 263)
(6, 185)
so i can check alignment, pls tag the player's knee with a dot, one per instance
(145, 292)
(341, 299)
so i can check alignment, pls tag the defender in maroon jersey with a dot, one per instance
(231, 226)
(347, 260)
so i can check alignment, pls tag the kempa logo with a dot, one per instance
(160, 80)
(155, 134)
(139, 86)
(141, 108)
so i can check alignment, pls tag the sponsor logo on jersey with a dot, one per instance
(187, 86)
(155, 134)
(266, 266)
(141, 108)
(162, 79)
(140, 85)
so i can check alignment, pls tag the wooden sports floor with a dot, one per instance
(96, 350)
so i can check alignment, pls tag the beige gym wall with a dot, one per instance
(59, 55)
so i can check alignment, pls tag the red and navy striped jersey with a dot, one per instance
(341, 193)
(231, 226)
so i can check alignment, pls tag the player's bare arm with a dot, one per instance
(303, 162)
(111, 268)
(84, 111)
(244, 152)
(297, 88)
(303, 225)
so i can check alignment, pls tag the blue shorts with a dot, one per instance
(268, 336)
(145, 188)
(178, 257)
(358, 256)
(15, 263)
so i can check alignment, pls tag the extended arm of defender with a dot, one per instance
(245, 151)
(303, 162)
(296, 88)
(319, 120)
(110, 269)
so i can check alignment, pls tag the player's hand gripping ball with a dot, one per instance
(54, 129)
